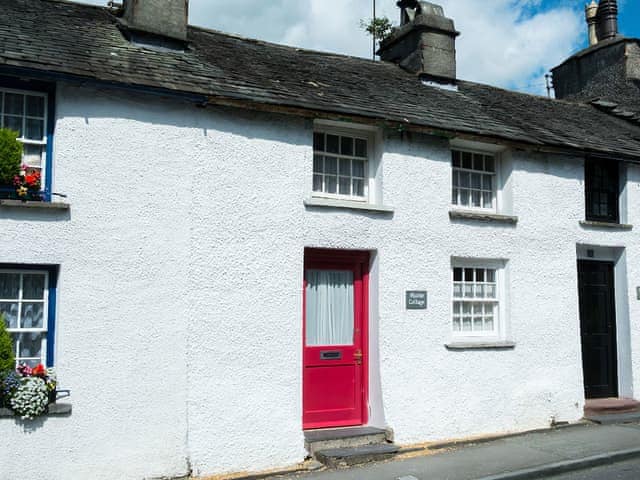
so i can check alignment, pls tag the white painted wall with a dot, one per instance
(179, 321)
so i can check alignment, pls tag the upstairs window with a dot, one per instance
(602, 191)
(26, 113)
(340, 166)
(473, 180)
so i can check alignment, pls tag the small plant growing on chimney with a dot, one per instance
(379, 28)
(10, 156)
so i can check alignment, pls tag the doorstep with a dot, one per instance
(612, 410)
(341, 447)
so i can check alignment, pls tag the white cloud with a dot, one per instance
(508, 43)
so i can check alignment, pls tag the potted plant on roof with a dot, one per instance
(10, 160)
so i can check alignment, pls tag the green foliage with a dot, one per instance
(7, 360)
(379, 28)
(10, 156)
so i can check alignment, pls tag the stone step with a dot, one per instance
(345, 457)
(615, 418)
(607, 406)
(316, 440)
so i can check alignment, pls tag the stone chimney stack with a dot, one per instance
(165, 18)
(425, 42)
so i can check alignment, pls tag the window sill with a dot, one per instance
(334, 203)
(55, 410)
(609, 225)
(480, 345)
(482, 216)
(35, 204)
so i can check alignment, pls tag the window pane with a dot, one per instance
(465, 180)
(467, 160)
(34, 129)
(346, 146)
(330, 184)
(491, 275)
(476, 181)
(487, 182)
(344, 185)
(475, 197)
(457, 274)
(317, 163)
(318, 142)
(358, 188)
(477, 324)
(490, 291)
(466, 308)
(454, 196)
(331, 165)
(329, 307)
(455, 158)
(30, 345)
(14, 104)
(35, 106)
(478, 164)
(358, 168)
(488, 324)
(10, 313)
(468, 274)
(464, 197)
(457, 307)
(33, 286)
(487, 200)
(361, 148)
(480, 291)
(317, 183)
(333, 144)
(456, 324)
(13, 123)
(345, 166)
(32, 315)
(32, 155)
(466, 324)
(489, 164)
(9, 286)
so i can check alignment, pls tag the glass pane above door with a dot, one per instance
(329, 315)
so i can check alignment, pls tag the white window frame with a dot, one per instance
(45, 318)
(25, 141)
(369, 169)
(497, 179)
(500, 331)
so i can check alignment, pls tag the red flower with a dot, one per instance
(39, 371)
(30, 179)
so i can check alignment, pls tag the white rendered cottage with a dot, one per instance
(260, 243)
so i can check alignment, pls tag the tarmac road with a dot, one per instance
(628, 470)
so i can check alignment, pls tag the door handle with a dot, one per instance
(357, 356)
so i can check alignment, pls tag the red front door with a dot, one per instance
(335, 338)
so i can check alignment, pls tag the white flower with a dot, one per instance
(31, 398)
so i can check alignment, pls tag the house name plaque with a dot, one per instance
(416, 300)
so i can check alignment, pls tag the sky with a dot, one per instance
(506, 43)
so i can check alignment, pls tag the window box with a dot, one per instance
(455, 214)
(7, 203)
(55, 409)
(337, 203)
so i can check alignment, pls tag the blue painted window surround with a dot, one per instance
(28, 304)
(30, 115)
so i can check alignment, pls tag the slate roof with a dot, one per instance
(56, 36)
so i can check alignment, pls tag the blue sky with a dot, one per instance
(507, 43)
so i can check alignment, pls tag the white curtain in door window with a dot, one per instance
(329, 307)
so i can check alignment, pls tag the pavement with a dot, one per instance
(541, 454)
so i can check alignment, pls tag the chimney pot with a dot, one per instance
(607, 20)
(591, 13)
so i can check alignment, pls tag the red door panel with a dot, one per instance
(335, 338)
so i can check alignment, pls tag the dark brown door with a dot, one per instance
(598, 328)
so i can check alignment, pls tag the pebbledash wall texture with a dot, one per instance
(179, 326)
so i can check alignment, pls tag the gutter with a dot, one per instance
(401, 125)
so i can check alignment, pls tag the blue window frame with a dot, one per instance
(28, 106)
(28, 296)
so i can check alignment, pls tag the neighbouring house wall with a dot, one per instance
(180, 300)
